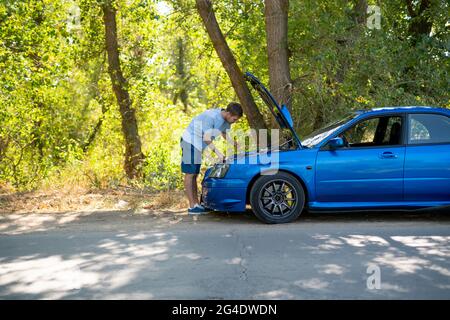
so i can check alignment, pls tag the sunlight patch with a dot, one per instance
(40, 276)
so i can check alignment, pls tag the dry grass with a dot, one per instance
(78, 199)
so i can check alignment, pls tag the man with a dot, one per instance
(199, 135)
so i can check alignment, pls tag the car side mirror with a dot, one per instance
(336, 143)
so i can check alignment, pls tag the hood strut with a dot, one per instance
(281, 114)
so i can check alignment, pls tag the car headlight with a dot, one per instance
(219, 170)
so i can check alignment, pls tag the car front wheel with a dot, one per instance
(278, 198)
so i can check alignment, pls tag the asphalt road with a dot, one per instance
(168, 255)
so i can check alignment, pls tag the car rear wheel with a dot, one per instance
(278, 198)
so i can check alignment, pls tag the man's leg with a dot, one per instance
(195, 187)
(190, 187)
(190, 166)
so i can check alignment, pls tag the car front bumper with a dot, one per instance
(224, 194)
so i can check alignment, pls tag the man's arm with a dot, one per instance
(215, 150)
(208, 140)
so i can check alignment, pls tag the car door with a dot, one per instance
(369, 168)
(427, 159)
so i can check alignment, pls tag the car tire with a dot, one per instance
(278, 198)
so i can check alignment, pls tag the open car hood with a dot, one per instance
(281, 114)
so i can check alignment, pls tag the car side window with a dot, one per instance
(362, 133)
(378, 131)
(428, 128)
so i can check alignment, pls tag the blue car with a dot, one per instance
(386, 158)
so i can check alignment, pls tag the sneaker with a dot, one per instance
(197, 210)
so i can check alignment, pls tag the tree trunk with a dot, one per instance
(133, 153)
(206, 12)
(420, 23)
(276, 16)
(181, 89)
(358, 15)
(94, 93)
(360, 12)
(85, 146)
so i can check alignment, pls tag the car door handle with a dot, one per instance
(388, 155)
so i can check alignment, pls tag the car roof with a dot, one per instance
(422, 109)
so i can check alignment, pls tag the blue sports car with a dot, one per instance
(386, 158)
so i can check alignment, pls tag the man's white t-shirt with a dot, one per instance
(210, 122)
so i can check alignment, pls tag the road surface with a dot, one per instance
(169, 255)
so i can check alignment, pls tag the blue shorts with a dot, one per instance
(191, 158)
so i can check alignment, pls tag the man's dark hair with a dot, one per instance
(235, 109)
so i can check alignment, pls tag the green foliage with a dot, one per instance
(338, 65)
(60, 123)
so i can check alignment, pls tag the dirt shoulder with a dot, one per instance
(54, 201)
(89, 209)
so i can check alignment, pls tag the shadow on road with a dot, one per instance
(128, 255)
(13, 224)
(440, 214)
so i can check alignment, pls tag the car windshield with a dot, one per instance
(319, 135)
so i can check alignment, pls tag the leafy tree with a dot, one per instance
(226, 56)
(61, 121)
